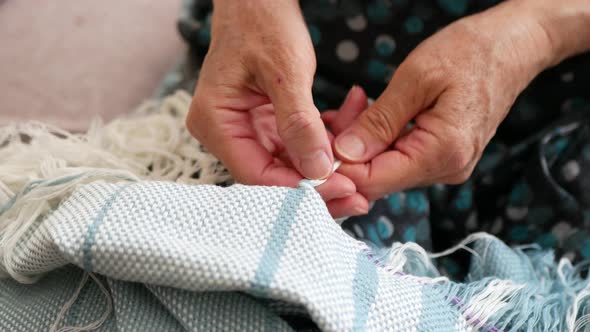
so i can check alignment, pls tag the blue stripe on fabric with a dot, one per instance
(8, 205)
(93, 228)
(31, 185)
(65, 179)
(364, 289)
(435, 305)
(271, 257)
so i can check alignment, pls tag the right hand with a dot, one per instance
(253, 107)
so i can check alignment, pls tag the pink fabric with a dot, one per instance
(65, 61)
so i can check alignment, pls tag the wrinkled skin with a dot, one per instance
(254, 110)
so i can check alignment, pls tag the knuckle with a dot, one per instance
(191, 121)
(292, 74)
(286, 61)
(424, 69)
(197, 116)
(370, 192)
(380, 123)
(295, 124)
(459, 155)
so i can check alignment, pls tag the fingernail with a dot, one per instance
(349, 94)
(345, 194)
(359, 210)
(316, 166)
(351, 146)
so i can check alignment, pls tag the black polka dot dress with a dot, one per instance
(532, 184)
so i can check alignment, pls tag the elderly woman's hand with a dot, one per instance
(253, 106)
(457, 86)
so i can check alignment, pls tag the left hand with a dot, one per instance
(457, 86)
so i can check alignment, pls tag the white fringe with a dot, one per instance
(42, 164)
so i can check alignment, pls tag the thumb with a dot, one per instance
(375, 129)
(300, 127)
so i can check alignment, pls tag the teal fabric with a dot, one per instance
(176, 257)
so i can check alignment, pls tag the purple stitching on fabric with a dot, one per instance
(456, 301)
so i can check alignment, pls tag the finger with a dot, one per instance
(247, 160)
(262, 119)
(298, 121)
(375, 129)
(337, 186)
(415, 161)
(329, 117)
(355, 103)
(250, 163)
(354, 205)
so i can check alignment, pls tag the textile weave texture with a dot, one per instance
(176, 257)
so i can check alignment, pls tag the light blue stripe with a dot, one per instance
(8, 205)
(31, 185)
(93, 228)
(364, 289)
(435, 305)
(269, 262)
(65, 179)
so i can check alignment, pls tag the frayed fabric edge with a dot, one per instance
(558, 302)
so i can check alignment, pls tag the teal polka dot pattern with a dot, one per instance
(422, 229)
(376, 69)
(320, 104)
(373, 235)
(384, 227)
(520, 194)
(385, 45)
(519, 233)
(438, 192)
(454, 7)
(410, 234)
(417, 201)
(394, 202)
(464, 198)
(315, 34)
(204, 35)
(546, 240)
(557, 147)
(413, 25)
(585, 250)
(378, 12)
(450, 266)
(488, 161)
